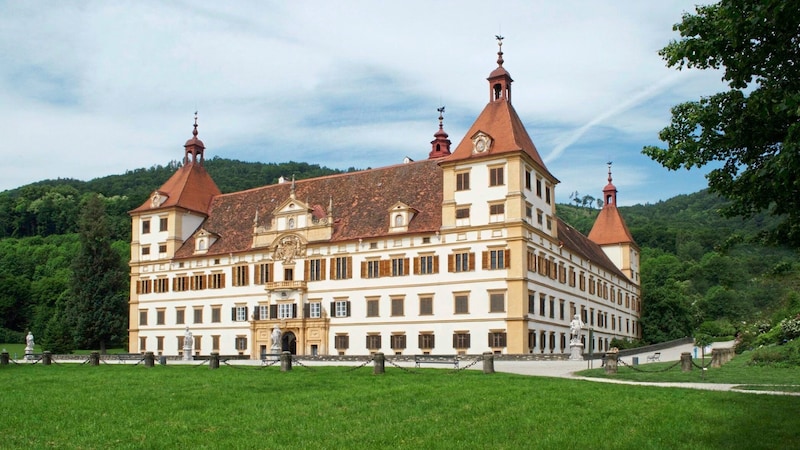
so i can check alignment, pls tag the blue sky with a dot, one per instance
(92, 88)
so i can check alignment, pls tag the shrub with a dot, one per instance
(790, 329)
(11, 336)
(623, 344)
(778, 355)
(717, 328)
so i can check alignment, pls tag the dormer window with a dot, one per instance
(481, 142)
(400, 215)
(203, 241)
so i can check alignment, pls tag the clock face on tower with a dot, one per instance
(481, 143)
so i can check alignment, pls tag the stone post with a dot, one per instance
(94, 359)
(611, 363)
(4, 358)
(47, 358)
(149, 359)
(380, 363)
(286, 362)
(488, 362)
(686, 362)
(213, 361)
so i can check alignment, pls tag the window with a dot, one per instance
(180, 344)
(497, 212)
(162, 248)
(531, 260)
(496, 259)
(552, 307)
(161, 285)
(542, 303)
(547, 195)
(496, 176)
(241, 275)
(160, 343)
(197, 340)
(142, 343)
(315, 269)
(399, 267)
(398, 306)
(216, 280)
(198, 314)
(531, 302)
(263, 273)
(371, 269)
(539, 187)
(462, 181)
(262, 312)
(145, 250)
(241, 343)
(532, 340)
(462, 216)
(529, 211)
(240, 313)
(341, 342)
(146, 226)
(180, 283)
(315, 310)
(373, 341)
(539, 217)
(372, 307)
(528, 179)
(398, 220)
(426, 264)
(341, 308)
(286, 310)
(180, 315)
(216, 314)
(426, 306)
(198, 282)
(288, 274)
(426, 341)
(497, 302)
(461, 304)
(461, 262)
(461, 340)
(398, 341)
(341, 268)
(144, 286)
(142, 317)
(561, 309)
(162, 224)
(160, 313)
(497, 339)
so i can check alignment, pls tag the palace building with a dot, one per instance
(459, 253)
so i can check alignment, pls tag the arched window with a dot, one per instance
(398, 220)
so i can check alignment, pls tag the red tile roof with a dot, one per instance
(500, 121)
(190, 188)
(580, 244)
(610, 228)
(361, 202)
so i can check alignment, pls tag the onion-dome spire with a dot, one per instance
(194, 147)
(610, 191)
(440, 145)
(500, 80)
(499, 50)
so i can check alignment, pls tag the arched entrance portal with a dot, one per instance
(289, 343)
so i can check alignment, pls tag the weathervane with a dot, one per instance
(499, 49)
(441, 115)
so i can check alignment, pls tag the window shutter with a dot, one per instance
(246, 315)
(322, 262)
(455, 338)
(273, 311)
(222, 281)
(363, 269)
(332, 311)
(435, 263)
(306, 310)
(507, 259)
(485, 260)
(333, 271)
(347, 307)
(257, 313)
(233, 313)
(468, 343)
(490, 340)
(383, 268)
(307, 269)
(406, 266)
(451, 263)
(294, 310)
(416, 265)
(349, 268)
(433, 341)
(419, 341)
(472, 262)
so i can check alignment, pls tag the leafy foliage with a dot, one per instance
(753, 129)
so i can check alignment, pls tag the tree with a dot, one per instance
(753, 128)
(97, 305)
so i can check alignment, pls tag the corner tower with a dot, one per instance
(612, 235)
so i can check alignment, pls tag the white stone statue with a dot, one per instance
(29, 343)
(188, 345)
(575, 328)
(276, 339)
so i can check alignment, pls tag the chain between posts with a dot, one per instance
(701, 367)
(404, 369)
(647, 371)
(295, 360)
(352, 369)
(477, 360)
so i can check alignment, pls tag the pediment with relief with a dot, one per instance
(157, 199)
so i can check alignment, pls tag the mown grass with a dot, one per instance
(126, 406)
(736, 371)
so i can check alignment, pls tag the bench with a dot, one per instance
(122, 357)
(654, 357)
(436, 359)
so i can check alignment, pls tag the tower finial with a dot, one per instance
(441, 115)
(609, 170)
(499, 49)
(194, 132)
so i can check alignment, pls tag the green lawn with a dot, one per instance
(736, 371)
(172, 406)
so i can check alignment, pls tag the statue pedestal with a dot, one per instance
(187, 353)
(575, 351)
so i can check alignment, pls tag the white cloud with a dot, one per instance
(94, 88)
